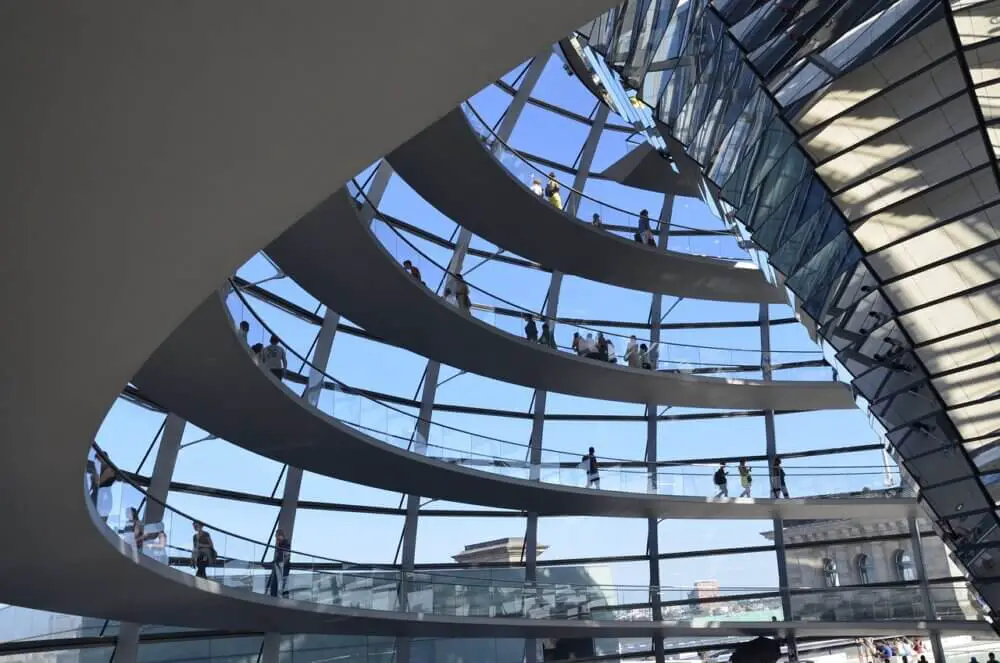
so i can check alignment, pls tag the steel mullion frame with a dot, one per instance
(951, 335)
(910, 158)
(863, 261)
(818, 95)
(943, 261)
(852, 224)
(785, 60)
(961, 216)
(971, 85)
(927, 378)
(947, 298)
(867, 140)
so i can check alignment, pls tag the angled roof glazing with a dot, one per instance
(854, 143)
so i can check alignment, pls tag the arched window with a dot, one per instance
(830, 575)
(866, 569)
(904, 566)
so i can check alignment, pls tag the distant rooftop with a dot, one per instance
(508, 549)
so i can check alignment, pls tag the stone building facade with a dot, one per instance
(871, 577)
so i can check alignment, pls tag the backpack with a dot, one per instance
(720, 477)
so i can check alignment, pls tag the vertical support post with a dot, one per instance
(538, 416)
(778, 526)
(379, 183)
(409, 548)
(534, 460)
(163, 467)
(653, 531)
(127, 642)
(587, 158)
(293, 475)
(930, 613)
(531, 76)
(421, 433)
(314, 388)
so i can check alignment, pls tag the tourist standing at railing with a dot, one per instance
(256, 349)
(602, 347)
(202, 550)
(280, 565)
(577, 344)
(547, 337)
(645, 234)
(778, 487)
(746, 480)
(590, 465)
(244, 331)
(905, 650)
(413, 271)
(552, 193)
(721, 480)
(134, 528)
(612, 355)
(536, 187)
(632, 353)
(596, 220)
(155, 542)
(461, 291)
(274, 358)
(644, 357)
(530, 328)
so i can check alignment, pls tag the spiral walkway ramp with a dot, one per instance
(196, 191)
(448, 165)
(203, 366)
(334, 256)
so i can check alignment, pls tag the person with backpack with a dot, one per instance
(746, 480)
(721, 480)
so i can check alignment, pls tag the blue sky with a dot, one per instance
(128, 430)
